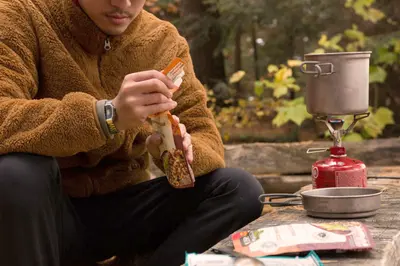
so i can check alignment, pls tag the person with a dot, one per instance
(78, 80)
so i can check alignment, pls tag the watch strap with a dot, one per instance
(110, 116)
(102, 117)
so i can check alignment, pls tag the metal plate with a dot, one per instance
(329, 215)
(342, 202)
(342, 192)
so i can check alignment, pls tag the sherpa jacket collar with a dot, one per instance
(86, 32)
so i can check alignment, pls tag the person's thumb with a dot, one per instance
(153, 143)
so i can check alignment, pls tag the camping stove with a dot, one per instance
(338, 170)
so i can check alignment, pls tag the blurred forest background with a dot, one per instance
(247, 53)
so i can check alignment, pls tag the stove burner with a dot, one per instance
(336, 123)
(335, 126)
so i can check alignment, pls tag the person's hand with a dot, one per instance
(154, 141)
(142, 94)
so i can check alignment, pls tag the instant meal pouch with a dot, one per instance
(177, 169)
(303, 237)
(194, 259)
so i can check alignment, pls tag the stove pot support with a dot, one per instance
(337, 83)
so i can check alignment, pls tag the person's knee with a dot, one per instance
(246, 191)
(26, 179)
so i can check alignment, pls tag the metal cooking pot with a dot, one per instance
(334, 202)
(337, 83)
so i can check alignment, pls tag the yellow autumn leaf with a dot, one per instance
(260, 113)
(272, 68)
(280, 91)
(323, 40)
(283, 74)
(375, 15)
(237, 76)
(294, 63)
(242, 103)
(226, 137)
(319, 51)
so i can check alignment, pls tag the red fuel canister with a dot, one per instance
(339, 171)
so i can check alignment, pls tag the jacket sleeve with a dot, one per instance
(192, 110)
(42, 126)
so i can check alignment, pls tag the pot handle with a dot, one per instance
(294, 201)
(318, 70)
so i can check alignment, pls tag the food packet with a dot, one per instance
(177, 169)
(193, 259)
(303, 237)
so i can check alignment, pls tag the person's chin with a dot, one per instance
(115, 30)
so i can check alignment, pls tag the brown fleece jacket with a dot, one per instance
(53, 69)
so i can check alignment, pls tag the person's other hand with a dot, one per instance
(142, 94)
(154, 141)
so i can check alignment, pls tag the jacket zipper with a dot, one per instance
(107, 47)
(107, 44)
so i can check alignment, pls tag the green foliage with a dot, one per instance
(364, 9)
(370, 127)
(377, 74)
(279, 108)
(294, 110)
(332, 44)
(356, 39)
(384, 55)
(282, 81)
(277, 97)
(353, 137)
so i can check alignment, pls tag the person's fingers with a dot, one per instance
(153, 98)
(153, 109)
(151, 74)
(153, 143)
(187, 141)
(189, 154)
(176, 118)
(182, 127)
(148, 86)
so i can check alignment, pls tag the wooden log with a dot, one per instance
(282, 183)
(276, 183)
(273, 183)
(292, 158)
(391, 255)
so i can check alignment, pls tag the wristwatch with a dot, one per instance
(110, 115)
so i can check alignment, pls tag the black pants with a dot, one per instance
(40, 226)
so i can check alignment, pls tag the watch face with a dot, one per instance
(108, 111)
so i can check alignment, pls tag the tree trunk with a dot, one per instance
(240, 93)
(204, 39)
(254, 43)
